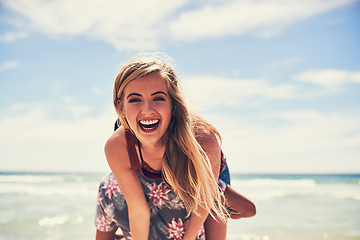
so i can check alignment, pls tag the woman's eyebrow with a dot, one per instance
(159, 92)
(133, 94)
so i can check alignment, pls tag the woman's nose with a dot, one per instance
(148, 107)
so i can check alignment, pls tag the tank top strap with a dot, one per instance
(134, 160)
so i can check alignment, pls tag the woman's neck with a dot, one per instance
(153, 155)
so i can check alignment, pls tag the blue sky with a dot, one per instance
(279, 79)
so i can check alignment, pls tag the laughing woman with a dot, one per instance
(165, 164)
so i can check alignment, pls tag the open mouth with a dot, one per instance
(149, 124)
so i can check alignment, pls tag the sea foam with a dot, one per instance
(267, 182)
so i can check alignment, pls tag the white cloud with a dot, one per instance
(124, 24)
(8, 65)
(31, 141)
(209, 91)
(328, 78)
(12, 36)
(266, 17)
(143, 25)
(297, 141)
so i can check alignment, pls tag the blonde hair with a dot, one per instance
(186, 166)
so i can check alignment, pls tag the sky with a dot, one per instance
(279, 79)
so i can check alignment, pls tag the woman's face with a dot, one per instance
(147, 107)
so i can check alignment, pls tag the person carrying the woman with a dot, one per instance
(165, 163)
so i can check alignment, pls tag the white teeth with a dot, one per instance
(149, 122)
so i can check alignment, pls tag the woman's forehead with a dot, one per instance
(148, 84)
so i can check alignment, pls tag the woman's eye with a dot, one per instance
(159, 99)
(134, 100)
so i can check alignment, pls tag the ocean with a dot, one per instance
(51, 206)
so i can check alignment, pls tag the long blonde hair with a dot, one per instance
(186, 166)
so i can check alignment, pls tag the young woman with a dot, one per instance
(165, 162)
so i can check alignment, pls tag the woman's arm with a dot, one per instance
(210, 145)
(105, 235)
(129, 183)
(112, 235)
(241, 207)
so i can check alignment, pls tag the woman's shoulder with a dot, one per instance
(115, 146)
(206, 138)
(117, 138)
(205, 131)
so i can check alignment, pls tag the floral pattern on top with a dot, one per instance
(177, 229)
(168, 214)
(159, 194)
(111, 188)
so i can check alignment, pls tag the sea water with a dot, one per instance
(292, 207)
(49, 206)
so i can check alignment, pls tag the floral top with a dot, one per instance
(168, 214)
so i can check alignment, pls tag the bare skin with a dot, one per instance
(129, 183)
(112, 235)
(240, 206)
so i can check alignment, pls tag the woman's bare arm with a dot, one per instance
(129, 183)
(241, 207)
(105, 235)
(210, 144)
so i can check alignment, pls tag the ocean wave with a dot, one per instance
(50, 190)
(48, 178)
(268, 182)
(59, 220)
(273, 194)
(31, 179)
(266, 195)
(269, 189)
(51, 222)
